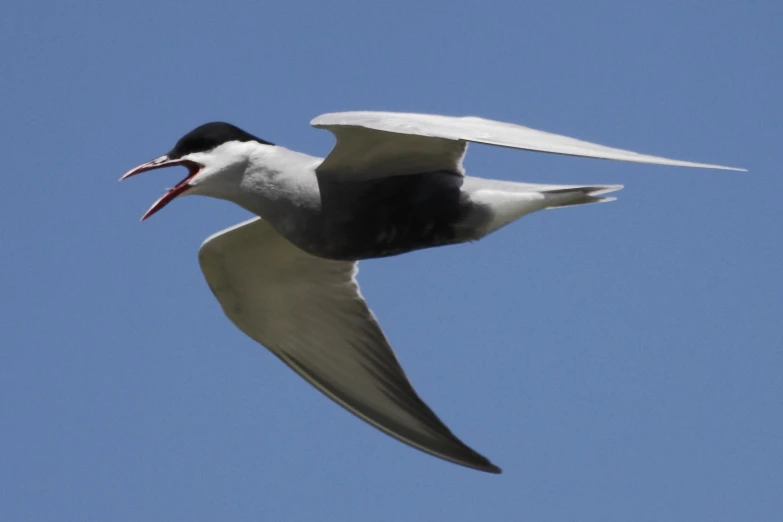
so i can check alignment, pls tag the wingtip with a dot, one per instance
(722, 167)
(481, 463)
(717, 167)
(493, 469)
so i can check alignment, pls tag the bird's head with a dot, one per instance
(212, 153)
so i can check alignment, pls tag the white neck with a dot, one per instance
(270, 181)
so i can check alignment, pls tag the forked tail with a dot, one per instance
(581, 195)
(503, 202)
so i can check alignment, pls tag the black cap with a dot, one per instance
(208, 136)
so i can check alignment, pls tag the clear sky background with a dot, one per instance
(620, 362)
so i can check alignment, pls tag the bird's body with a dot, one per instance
(352, 220)
(394, 183)
(372, 217)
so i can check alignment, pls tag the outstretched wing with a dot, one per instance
(308, 311)
(379, 144)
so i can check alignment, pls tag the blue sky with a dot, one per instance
(619, 362)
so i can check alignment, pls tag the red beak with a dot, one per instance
(179, 188)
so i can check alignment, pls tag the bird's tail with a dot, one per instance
(577, 195)
(509, 201)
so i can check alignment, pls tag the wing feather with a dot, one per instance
(375, 144)
(308, 311)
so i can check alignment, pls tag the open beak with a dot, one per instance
(179, 188)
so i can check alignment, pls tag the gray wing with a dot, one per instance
(379, 144)
(308, 311)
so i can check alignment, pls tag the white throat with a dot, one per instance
(270, 181)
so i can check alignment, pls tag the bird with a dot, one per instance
(392, 184)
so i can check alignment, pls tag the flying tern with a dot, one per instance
(393, 183)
